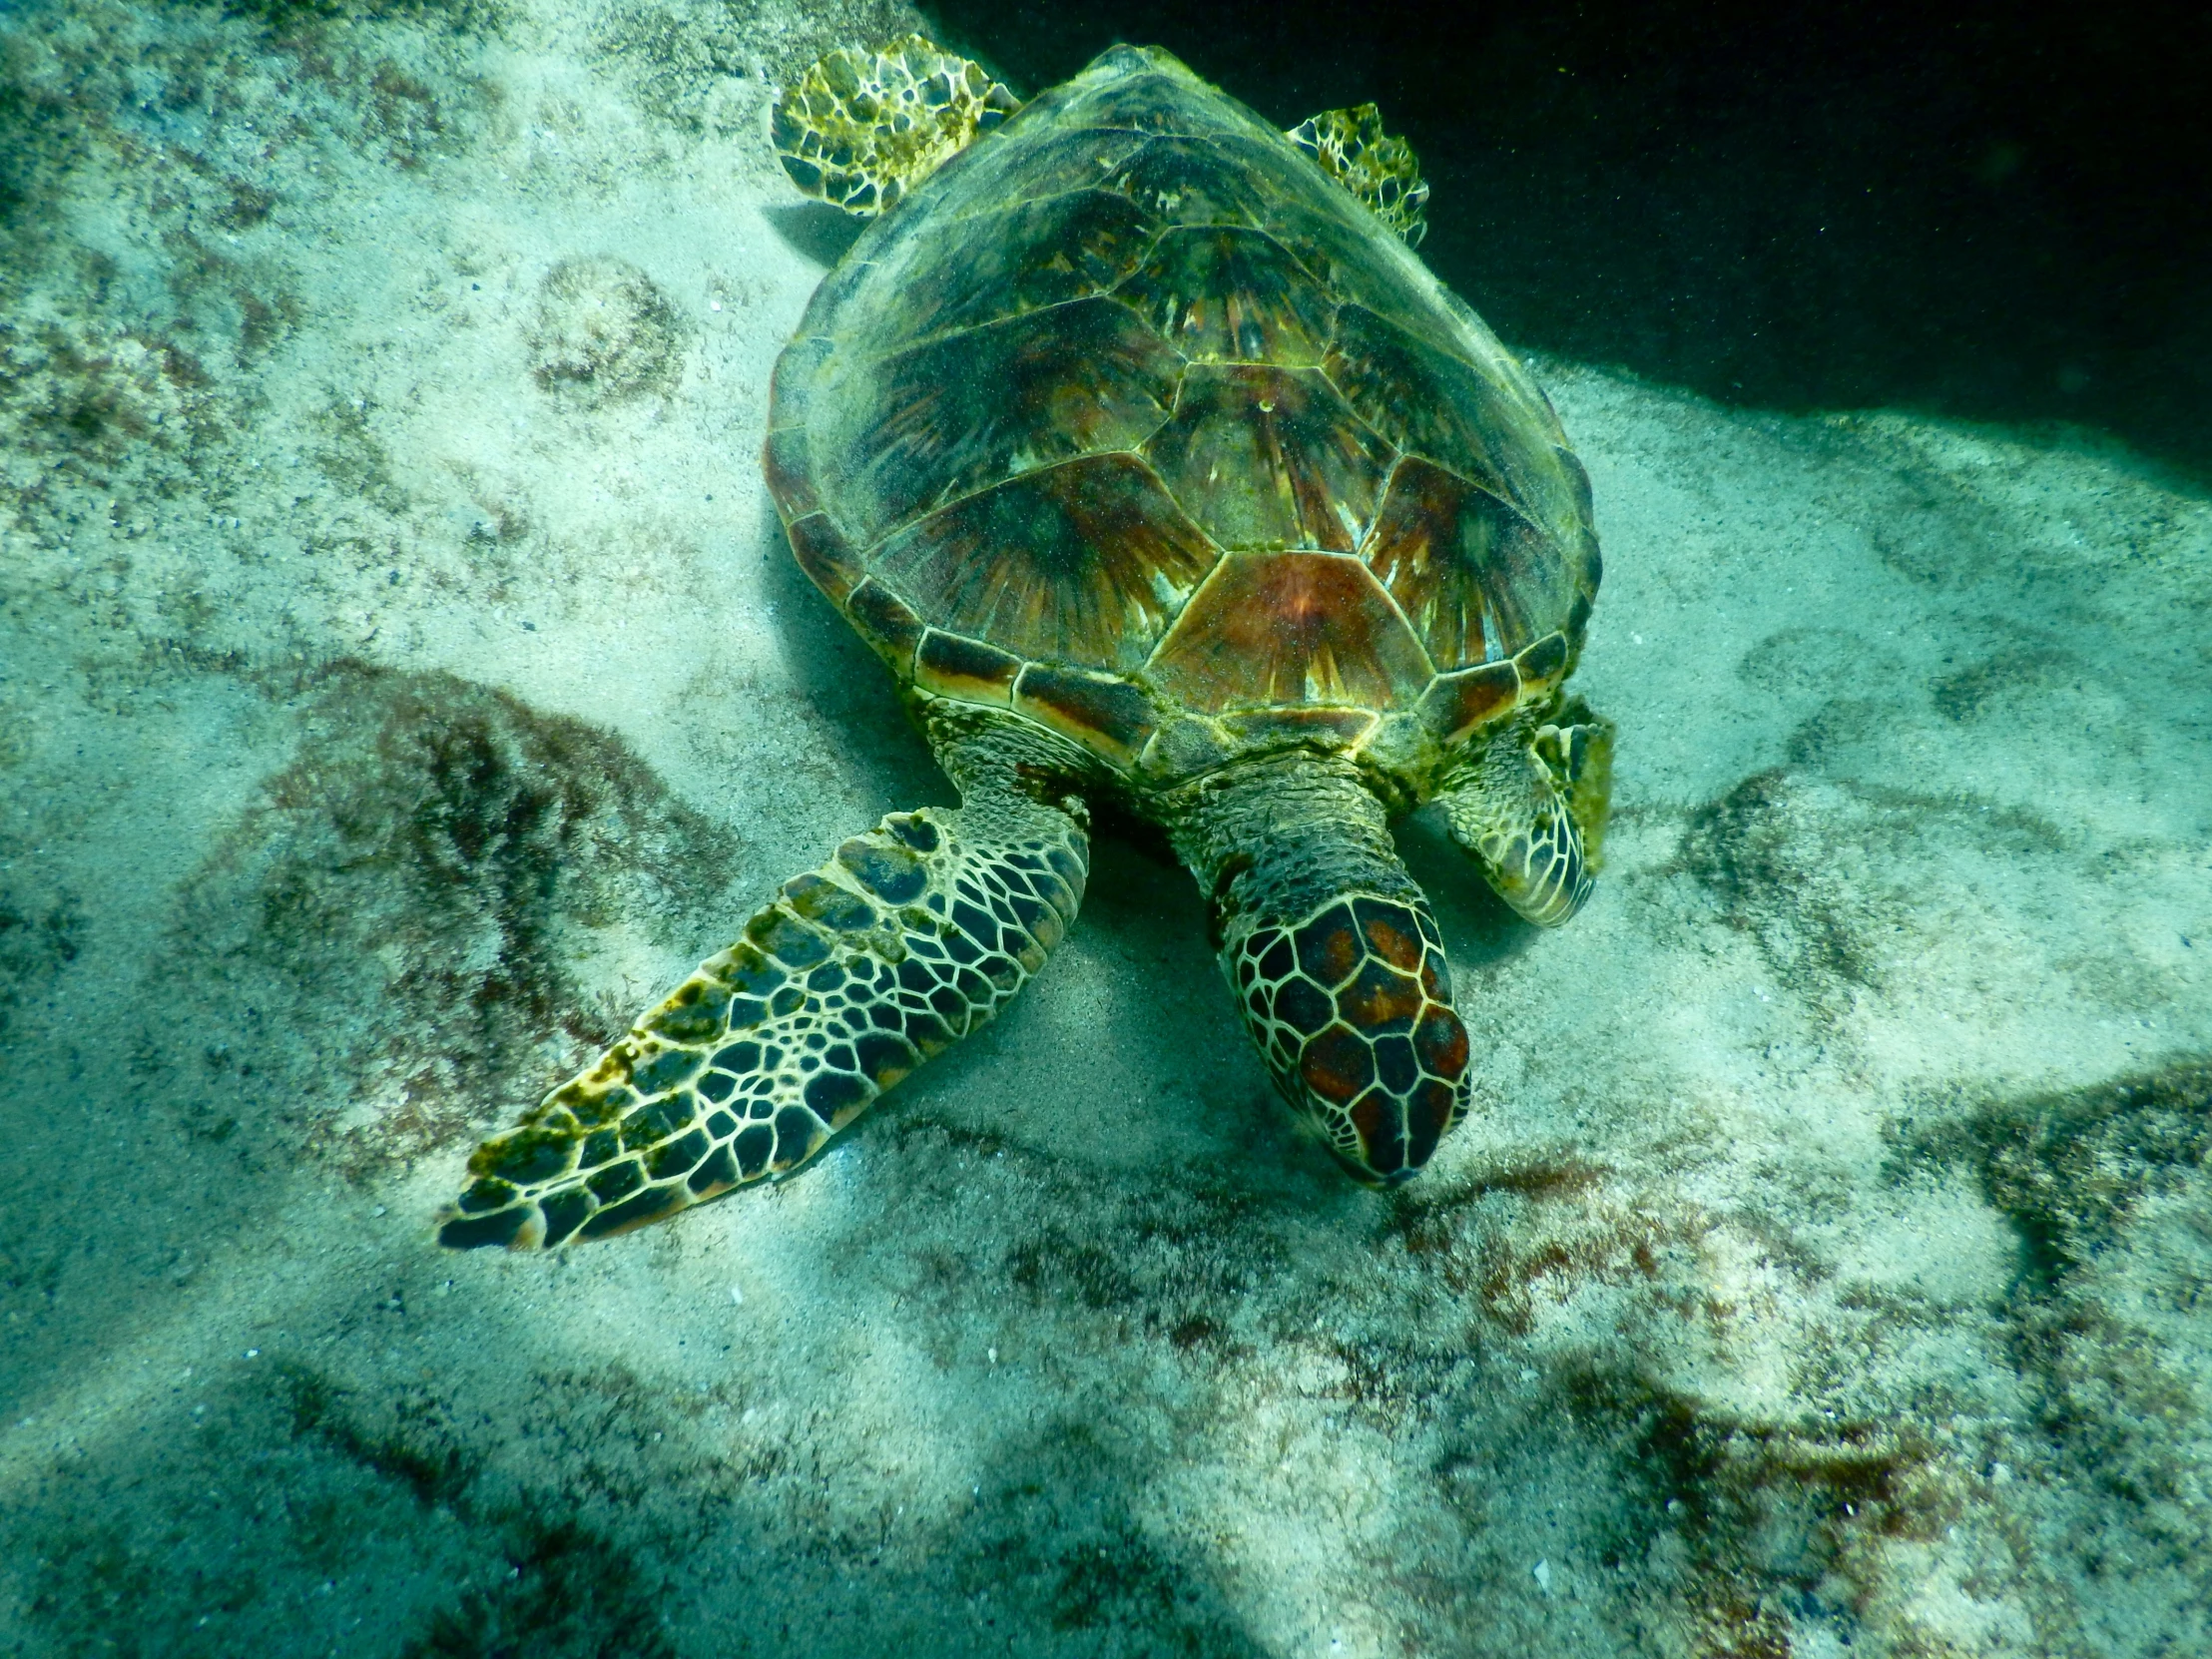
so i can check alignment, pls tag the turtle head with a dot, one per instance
(1336, 964)
(1351, 1008)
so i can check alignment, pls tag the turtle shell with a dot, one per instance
(1133, 420)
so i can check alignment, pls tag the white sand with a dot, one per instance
(388, 713)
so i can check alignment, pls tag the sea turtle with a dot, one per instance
(1161, 472)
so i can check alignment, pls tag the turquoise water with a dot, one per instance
(389, 709)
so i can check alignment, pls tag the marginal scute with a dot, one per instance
(824, 555)
(1578, 480)
(797, 374)
(1458, 703)
(1543, 664)
(1271, 630)
(1578, 618)
(886, 622)
(1110, 717)
(788, 469)
(954, 666)
(1255, 729)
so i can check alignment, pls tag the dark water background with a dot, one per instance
(1988, 211)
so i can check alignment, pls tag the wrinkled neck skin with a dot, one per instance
(1335, 963)
(990, 756)
(1274, 839)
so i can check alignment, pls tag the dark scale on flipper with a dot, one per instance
(488, 1194)
(835, 1001)
(650, 1205)
(616, 1180)
(473, 1232)
(753, 1149)
(564, 1214)
(717, 1174)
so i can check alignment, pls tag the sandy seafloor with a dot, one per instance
(402, 681)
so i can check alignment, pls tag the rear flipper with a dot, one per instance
(910, 938)
(1377, 167)
(1532, 808)
(862, 129)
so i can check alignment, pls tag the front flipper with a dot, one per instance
(909, 938)
(1531, 810)
(1378, 168)
(862, 129)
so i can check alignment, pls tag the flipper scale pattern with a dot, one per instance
(909, 938)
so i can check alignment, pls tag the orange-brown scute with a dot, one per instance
(1276, 629)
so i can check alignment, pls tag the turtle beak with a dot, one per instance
(1394, 1129)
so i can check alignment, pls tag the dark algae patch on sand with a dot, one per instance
(2069, 1168)
(568, 1593)
(441, 852)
